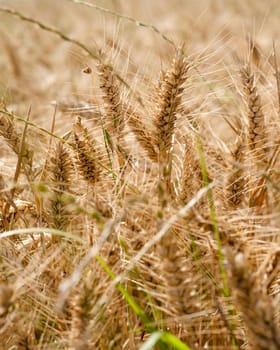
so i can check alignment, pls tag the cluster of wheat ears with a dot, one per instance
(129, 232)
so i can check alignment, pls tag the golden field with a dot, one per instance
(139, 158)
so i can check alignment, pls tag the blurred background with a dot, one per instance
(38, 68)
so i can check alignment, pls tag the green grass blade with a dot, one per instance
(136, 308)
(213, 217)
(167, 338)
(173, 341)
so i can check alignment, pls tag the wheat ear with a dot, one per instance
(142, 134)
(174, 271)
(258, 309)
(13, 139)
(114, 118)
(81, 316)
(170, 96)
(256, 134)
(114, 121)
(86, 155)
(60, 168)
(169, 99)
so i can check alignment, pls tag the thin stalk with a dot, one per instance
(213, 216)
(277, 73)
(67, 38)
(130, 19)
(166, 338)
(216, 231)
(49, 29)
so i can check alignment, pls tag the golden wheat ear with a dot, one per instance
(256, 132)
(170, 97)
(81, 308)
(170, 91)
(143, 135)
(60, 173)
(257, 308)
(256, 136)
(174, 271)
(8, 131)
(86, 155)
(114, 116)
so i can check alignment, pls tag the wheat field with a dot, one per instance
(139, 168)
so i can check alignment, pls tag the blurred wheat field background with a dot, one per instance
(139, 168)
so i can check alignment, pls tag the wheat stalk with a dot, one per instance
(191, 178)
